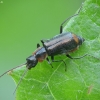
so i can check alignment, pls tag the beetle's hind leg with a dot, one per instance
(81, 56)
(76, 57)
(52, 58)
(42, 42)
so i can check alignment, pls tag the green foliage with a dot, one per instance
(81, 81)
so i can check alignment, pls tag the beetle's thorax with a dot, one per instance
(40, 54)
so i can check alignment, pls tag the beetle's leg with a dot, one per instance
(38, 45)
(42, 42)
(43, 45)
(49, 61)
(81, 56)
(52, 58)
(61, 26)
(76, 57)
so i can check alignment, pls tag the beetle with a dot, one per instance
(61, 44)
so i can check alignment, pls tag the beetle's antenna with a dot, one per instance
(61, 26)
(20, 80)
(12, 69)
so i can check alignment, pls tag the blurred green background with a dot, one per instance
(23, 23)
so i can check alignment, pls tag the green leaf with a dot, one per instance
(81, 81)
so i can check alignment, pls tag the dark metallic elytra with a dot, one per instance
(62, 44)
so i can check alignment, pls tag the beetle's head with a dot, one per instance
(31, 62)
